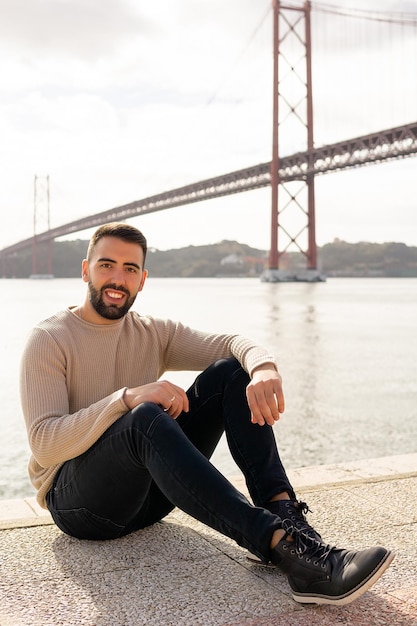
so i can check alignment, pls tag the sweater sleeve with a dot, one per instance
(187, 348)
(56, 435)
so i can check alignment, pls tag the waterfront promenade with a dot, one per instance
(181, 573)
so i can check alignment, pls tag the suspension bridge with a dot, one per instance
(292, 37)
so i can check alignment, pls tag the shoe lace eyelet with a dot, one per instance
(292, 551)
(285, 547)
(308, 560)
(315, 563)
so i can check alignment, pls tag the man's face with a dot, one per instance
(114, 275)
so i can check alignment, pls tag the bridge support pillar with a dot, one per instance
(292, 202)
(41, 254)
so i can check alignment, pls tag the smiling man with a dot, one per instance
(115, 447)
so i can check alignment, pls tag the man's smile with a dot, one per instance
(114, 295)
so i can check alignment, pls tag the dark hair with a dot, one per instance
(121, 231)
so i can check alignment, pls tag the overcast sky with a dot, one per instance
(116, 100)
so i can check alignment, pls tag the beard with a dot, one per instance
(109, 311)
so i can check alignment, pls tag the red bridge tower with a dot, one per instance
(292, 114)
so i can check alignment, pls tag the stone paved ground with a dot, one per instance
(182, 573)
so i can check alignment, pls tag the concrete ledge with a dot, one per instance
(26, 512)
(22, 514)
(370, 470)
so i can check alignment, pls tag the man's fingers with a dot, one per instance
(175, 400)
(266, 402)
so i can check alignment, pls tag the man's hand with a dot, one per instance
(265, 396)
(170, 397)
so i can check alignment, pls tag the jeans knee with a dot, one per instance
(232, 372)
(229, 368)
(142, 416)
(224, 374)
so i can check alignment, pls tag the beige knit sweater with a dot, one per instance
(74, 374)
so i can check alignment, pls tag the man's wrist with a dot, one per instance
(265, 366)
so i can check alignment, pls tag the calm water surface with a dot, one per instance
(347, 351)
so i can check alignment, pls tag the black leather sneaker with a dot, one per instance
(322, 574)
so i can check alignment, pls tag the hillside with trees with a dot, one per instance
(230, 258)
(368, 259)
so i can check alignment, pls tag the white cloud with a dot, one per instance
(85, 29)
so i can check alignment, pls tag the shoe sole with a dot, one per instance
(354, 593)
(252, 558)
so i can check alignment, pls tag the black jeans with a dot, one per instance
(147, 463)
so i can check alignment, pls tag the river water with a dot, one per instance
(347, 351)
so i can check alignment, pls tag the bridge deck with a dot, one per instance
(384, 145)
